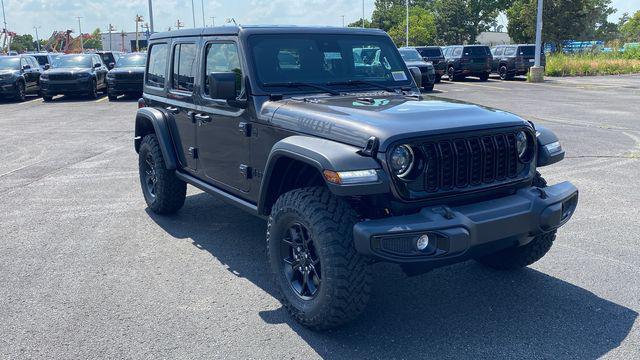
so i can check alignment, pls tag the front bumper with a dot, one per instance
(118, 86)
(8, 89)
(467, 231)
(79, 86)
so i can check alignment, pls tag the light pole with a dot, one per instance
(537, 71)
(406, 2)
(111, 30)
(363, 14)
(204, 23)
(193, 12)
(138, 21)
(213, 21)
(151, 15)
(80, 31)
(37, 37)
(342, 20)
(5, 30)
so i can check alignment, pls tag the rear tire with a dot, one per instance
(47, 98)
(504, 73)
(522, 256)
(438, 79)
(428, 88)
(484, 77)
(338, 279)
(163, 191)
(113, 97)
(451, 74)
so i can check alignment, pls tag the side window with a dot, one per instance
(184, 59)
(510, 51)
(457, 52)
(223, 57)
(157, 65)
(499, 51)
(34, 63)
(96, 60)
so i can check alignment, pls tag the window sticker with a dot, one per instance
(333, 56)
(399, 76)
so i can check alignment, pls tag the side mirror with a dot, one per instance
(222, 85)
(26, 67)
(46, 67)
(111, 65)
(417, 76)
(97, 65)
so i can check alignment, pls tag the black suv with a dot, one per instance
(434, 55)
(109, 58)
(348, 163)
(74, 74)
(19, 76)
(412, 58)
(127, 76)
(46, 60)
(514, 60)
(468, 60)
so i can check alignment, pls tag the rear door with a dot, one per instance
(180, 99)
(224, 132)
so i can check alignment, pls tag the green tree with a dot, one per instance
(358, 23)
(630, 29)
(422, 29)
(94, 41)
(563, 20)
(22, 43)
(461, 21)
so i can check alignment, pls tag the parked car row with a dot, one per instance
(73, 74)
(460, 61)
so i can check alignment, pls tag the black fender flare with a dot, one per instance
(547, 156)
(158, 121)
(323, 155)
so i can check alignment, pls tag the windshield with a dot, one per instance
(410, 55)
(132, 61)
(9, 63)
(325, 59)
(430, 52)
(73, 61)
(477, 51)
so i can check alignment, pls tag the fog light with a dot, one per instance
(423, 242)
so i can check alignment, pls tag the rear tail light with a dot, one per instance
(141, 103)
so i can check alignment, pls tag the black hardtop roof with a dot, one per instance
(263, 29)
(515, 45)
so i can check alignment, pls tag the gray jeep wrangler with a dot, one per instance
(346, 160)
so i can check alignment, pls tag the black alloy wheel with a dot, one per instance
(451, 73)
(300, 261)
(21, 93)
(150, 179)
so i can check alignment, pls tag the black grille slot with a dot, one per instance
(466, 162)
(61, 77)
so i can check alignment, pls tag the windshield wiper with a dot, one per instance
(299, 84)
(363, 82)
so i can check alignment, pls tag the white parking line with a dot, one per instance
(101, 99)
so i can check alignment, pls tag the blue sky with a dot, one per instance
(51, 15)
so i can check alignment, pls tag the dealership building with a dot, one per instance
(123, 41)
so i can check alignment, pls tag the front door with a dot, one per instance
(180, 103)
(224, 131)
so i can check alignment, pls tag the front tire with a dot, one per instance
(163, 191)
(112, 97)
(93, 90)
(428, 88)
(504, 73)
(522, 256)
(323, 282)
(47, 98)
(484, 76)
(21, 93)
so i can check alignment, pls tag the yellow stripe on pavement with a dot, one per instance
(102, 99)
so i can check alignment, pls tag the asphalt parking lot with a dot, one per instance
(87, 272)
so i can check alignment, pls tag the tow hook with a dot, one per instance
(445, 212)
(543, 194)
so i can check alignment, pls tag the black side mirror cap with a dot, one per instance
(417, 75)
(222, 85)
(26, 67)
(111, 65)
(97, 65)
(46, 67)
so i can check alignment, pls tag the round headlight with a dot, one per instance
(401, 160)
(522, 144)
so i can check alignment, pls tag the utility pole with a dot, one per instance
(80, 31)
(406, 3)
(179, 24)
(151, 15)
(37, 37)
(342, 20)
(363, 14)
(138, 20)
(204, 24)
(123, 36)
(111, 30)
(193, 12)
(5, 30)
(213, 21)
(537, 71)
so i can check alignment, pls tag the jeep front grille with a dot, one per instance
(458, 163)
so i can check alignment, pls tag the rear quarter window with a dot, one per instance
(510, 51)
(157, 68)
(477, 51)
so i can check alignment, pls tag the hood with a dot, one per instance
(416, 63)
(354, 119)
(9, 72)
(67, 71)
(127, 70)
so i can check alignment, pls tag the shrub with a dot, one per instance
(589, 64)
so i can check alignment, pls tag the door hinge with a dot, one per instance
(245, 128)
(245, 171)
(194, 152)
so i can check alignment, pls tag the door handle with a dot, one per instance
(202, 118)
(173, 110)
